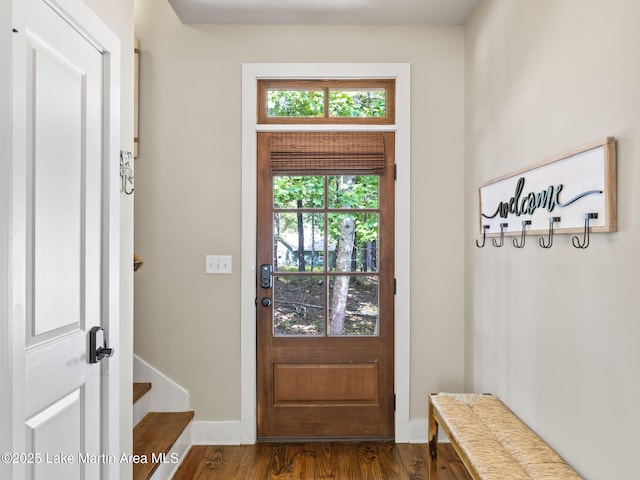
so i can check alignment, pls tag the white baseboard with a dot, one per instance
(230, 432)
(174, 458)
(141, 408)
(216, 433)
(165, 394)
(419, 432)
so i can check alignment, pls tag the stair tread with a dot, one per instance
(139, 389)
(155, 434)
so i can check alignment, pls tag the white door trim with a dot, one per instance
(81, 17)
(251, 72)
(6, 203)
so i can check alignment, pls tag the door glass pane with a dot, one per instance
(299, 238)
(353, 242)
(298, 192)
(353, 305)
(358, 102)
(298, 305)
(352, 191)
(295, 103)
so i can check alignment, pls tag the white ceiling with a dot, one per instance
(324, 12)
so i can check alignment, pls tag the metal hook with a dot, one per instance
(126, 172)
(522, 237)
(585, 240)
(502, 227)
(125, 189)
(552, 220)
(484, 236)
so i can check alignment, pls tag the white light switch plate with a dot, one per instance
(218, 264)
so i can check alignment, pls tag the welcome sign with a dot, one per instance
(568, 186)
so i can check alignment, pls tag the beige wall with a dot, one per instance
(555, 333)
(188, 197)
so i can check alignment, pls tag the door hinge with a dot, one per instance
(395, 286)
(395, 171)
(394, 402)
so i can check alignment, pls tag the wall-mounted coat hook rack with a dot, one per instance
(522, 235)
(501, 243)
(572, 186)
(484, 236)
(552, 220)
(585, 239)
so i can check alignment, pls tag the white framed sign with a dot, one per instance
(566, 187)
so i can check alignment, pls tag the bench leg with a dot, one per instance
(432, 457)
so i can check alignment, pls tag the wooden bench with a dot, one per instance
(490, 440)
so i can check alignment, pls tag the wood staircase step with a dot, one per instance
(155, 434)
(139, 389)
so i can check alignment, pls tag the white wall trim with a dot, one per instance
(419, 429)
(15, 354)
(217, 433)
(7, 418)
(175, 456)
(140, 409)
(251, 72)
(165, 394)
(230, 433)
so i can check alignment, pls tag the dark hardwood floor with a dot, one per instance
(316, 461)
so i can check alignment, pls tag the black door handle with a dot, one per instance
(98, 345)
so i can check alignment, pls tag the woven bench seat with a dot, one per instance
(491, 441)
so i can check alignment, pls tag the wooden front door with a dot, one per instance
(325, 285)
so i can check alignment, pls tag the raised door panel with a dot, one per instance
(65, 82)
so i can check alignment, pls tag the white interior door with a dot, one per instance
(65, 82)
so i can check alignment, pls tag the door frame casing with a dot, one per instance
(84, 20)
(6, 365)
(251, 72)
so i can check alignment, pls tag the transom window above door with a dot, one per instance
(370, 101)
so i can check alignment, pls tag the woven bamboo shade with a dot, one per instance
(317, 153)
